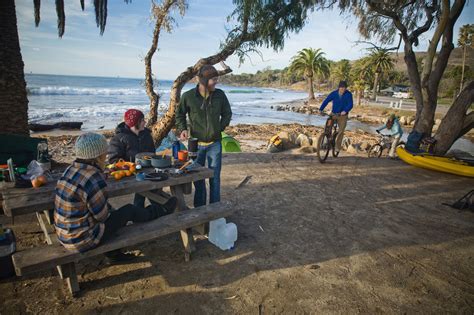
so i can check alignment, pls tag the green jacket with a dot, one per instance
(207, 118)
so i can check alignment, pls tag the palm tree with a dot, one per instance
(466, 34)
(310, 63)
(380, 61)
(340, 71)
(361, 75)
(13, 97)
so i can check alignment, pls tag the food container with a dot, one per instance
(144, 158)
(183, 155)
(160, 161)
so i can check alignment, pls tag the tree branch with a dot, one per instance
(447, 46)
(440, 28)
(430, 11)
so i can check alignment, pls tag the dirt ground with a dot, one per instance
(354, 235)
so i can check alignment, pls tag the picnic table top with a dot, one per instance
(18, 201)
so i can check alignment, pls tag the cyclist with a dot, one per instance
(393, 125)
(342, 103)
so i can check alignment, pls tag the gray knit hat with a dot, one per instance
(90, 146)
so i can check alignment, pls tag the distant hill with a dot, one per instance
(455, 59)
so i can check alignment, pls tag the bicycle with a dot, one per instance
(384, 142)
(327, 140)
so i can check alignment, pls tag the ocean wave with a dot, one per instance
(244, 91)
(66, 90)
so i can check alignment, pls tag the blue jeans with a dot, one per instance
(213, 154)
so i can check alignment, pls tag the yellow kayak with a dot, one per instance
(437, 163)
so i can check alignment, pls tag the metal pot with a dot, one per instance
(144, 158)
(160, 162)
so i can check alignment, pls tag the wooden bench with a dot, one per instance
(49, 257)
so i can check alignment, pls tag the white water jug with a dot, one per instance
(222, 234)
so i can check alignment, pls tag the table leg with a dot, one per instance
(48, 238)
(186, 235)
(71, 278)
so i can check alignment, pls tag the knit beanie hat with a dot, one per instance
(132, 117)
(90, 146)
(206, 73)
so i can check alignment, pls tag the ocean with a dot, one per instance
(100, 102)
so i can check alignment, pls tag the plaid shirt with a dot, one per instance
(81, 207)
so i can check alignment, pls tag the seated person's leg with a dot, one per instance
(139, 200)
(166, 208)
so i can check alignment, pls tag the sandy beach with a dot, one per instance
(354, 235)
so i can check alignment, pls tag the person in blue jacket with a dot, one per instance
(341, 106)
(396, 131)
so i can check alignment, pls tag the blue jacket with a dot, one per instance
(340, 103)
(396, 129)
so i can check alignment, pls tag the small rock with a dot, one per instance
(353, 149)
(346, 142)
(303, 141)
(364, 146)
(288, 139)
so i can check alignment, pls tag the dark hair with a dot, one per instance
(342, 84)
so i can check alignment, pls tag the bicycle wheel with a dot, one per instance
(376, 151)
(323, 147)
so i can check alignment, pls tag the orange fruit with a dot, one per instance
(128, 173)
(117, 175)
(36, 182)
(43, 180)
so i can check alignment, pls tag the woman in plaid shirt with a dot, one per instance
(83, 217)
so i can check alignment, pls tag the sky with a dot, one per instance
(128, 36)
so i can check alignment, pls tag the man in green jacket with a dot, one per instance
(209, 114)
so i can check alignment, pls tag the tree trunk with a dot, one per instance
(463, 65)
(358, 97)
(310, 89)
(13, 98)
(456, 123)
(376, 83)
(161, 16)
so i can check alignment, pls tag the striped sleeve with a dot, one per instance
(97, 200)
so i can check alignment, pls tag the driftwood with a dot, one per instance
(59, 125)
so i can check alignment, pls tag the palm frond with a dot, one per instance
(37, 4)
(61, 17)
(101, 14)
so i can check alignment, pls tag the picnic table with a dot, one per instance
(20, 201)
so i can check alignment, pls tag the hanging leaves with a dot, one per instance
(100, 14)
(61, 17)
(37, 4)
